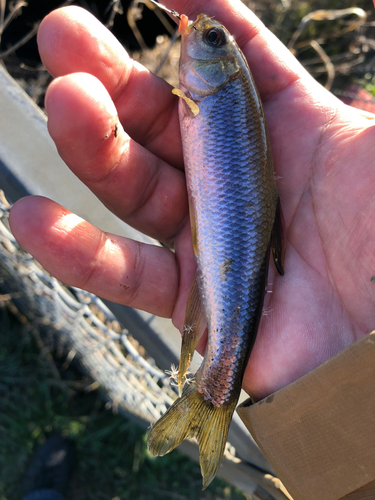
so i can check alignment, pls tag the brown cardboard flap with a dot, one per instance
(319, 432)
(365, 493)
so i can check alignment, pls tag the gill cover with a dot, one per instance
(207, 62)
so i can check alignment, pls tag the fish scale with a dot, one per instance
(218, 168)
(233, 206)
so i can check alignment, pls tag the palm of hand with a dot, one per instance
(325, 300)
(323, 154)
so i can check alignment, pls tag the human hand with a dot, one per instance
(323, 156)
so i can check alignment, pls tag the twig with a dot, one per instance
(366, 41)
(132, 15)
(21, 42)
(286, 4)
(165, 56)
(12, 14)
(329, 15)
(162, 19)
(343, 67)
(327, 63)
(45, 351)
(28, 35)
(2, 14)
(116, 8)
(3, 200)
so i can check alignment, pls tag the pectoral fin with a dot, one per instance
(191, 104)
(277, 240)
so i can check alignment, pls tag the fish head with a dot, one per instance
(209, 57)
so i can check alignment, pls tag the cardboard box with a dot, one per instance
(318, 433)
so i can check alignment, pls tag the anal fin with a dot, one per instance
(193, 226)
(194, 326)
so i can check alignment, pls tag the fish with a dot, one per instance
(236, 220)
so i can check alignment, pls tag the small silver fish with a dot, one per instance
(236, 219)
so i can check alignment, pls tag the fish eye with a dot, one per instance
(215, 37)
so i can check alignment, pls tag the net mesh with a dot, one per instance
(85, 326)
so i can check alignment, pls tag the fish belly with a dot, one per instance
(232, 191)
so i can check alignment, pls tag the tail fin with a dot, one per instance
(192, 416)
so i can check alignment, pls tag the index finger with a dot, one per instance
(71, 40)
